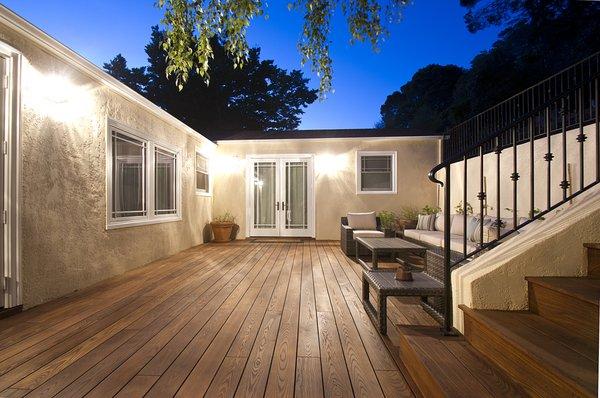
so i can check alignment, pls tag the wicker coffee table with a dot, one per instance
(396, 247)
(384, 284)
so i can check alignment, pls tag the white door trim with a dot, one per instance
(310, 232)
(12, 175)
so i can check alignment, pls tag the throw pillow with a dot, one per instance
(426, 222)
(362, 221)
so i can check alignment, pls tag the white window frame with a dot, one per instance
(359, 155)
(203, 154)
(149, 180)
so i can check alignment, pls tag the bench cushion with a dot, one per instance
(435, 238)
(367, 234)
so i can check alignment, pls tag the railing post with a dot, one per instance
(581, 137)
(564, 184)
(448, 309)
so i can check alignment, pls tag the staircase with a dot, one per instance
(518, 157)
(552, 349)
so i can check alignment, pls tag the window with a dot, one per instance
(143, 180)
(202, 175)
(376, 172)
(129, 177)
(165, 184)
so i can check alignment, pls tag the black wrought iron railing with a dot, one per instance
(556, 110)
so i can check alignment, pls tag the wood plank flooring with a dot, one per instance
(247, 319)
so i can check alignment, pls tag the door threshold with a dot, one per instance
(279, 239)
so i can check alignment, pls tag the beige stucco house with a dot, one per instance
(98, 180)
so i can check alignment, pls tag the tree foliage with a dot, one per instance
(260, 96)
(539, 38)
(424, 101)
(193, 24)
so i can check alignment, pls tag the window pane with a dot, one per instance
(201, 173)
(201, 163)
(165, 182)
(376, 163)
(201, 181)
(128, 176)
(376, 181)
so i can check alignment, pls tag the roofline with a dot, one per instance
(390, 138)
(47, 42)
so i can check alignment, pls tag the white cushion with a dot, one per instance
(457, 244)
(435, 238)
(362, 221)
(412, 233)
(367, 234)
(457, 225)
(439, 221)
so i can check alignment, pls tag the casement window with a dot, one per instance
(165, 181)
(202, 175)
(376, 172)
(143, 179)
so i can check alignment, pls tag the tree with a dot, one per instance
(260, 96)
(193, 24)
(539, 38)
(135, 78)
(424, 101)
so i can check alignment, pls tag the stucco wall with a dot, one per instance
(65, 245)
(523, 168)
(550, 247)
(335, 176)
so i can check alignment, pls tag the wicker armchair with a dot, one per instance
(347, 242)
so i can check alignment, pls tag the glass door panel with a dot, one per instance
(296, 195)
(264, 197)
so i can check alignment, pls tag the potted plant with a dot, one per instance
(388, 223)
(408, 217)
(222, 226)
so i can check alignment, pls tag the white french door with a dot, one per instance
(281, 196)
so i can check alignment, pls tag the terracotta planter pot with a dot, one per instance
(221, 231)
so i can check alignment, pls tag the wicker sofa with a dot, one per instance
(434, 242)
(347, 235)
(436, 238)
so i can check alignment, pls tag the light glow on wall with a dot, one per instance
(56, 96)
(228, 164)
(330, 164)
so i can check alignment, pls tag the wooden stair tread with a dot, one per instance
(451, 366)
(554, 352)
(586, 289)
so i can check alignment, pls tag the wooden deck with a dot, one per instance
(243, 319)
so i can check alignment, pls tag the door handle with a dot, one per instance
(277, 206)
(283, 206)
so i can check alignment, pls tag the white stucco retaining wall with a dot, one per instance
(551, 247)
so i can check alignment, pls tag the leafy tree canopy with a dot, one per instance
(539, 38)
(259, 96)
(193, 24)
(424, 101)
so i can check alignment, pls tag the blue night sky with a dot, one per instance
(432, 31)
